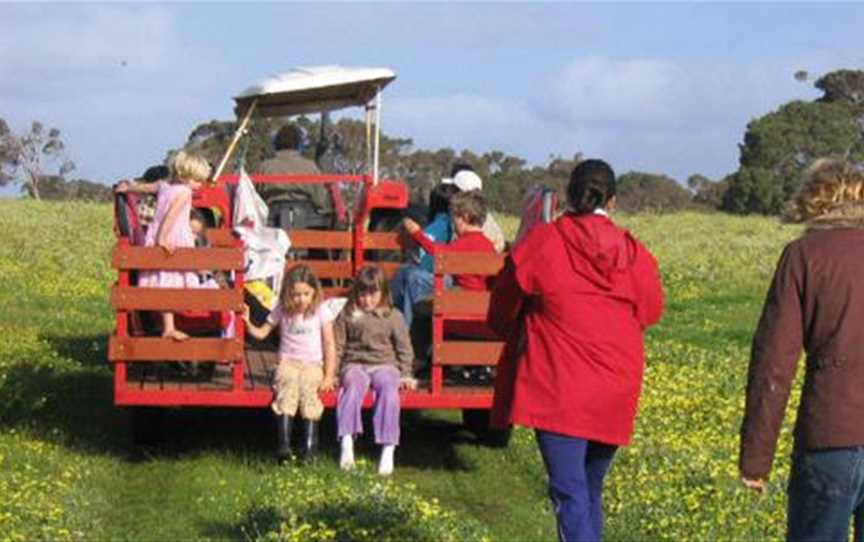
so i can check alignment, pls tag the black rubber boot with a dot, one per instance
(284, 424)
(310, 440)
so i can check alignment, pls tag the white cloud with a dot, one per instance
(118, 80)
(598, 88)
(459, 121)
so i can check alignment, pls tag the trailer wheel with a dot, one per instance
(148, 427)
(477, 421)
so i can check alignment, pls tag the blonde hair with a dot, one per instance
(829, 184)
(190, 167)
(301, 274)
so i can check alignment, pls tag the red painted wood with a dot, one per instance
(320, 239)
(382, 241)
(182, 259)
(325, 268)
(473, 263)
(155, 349)
(175, 299)
(467, 353)
(458, 303)
(450, 398)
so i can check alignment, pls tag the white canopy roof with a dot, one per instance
(313, 89)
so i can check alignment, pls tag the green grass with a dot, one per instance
(69, 471)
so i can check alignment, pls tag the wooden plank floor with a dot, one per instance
(258, 374)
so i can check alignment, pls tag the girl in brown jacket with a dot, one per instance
(816, 302)
(374, 350)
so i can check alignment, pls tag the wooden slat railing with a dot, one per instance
(320, 239)
(468, 353)
(129, 298)
(159, 349)
(382, 241)
(182, 259)
(468, 308)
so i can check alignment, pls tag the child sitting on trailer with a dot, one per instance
(468, 213)
(307, 357)
(374, 350)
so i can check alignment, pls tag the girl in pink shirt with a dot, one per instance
(307, 357)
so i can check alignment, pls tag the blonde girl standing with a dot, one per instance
(170, 227)
(307, 357)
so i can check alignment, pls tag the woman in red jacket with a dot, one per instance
(573, 301)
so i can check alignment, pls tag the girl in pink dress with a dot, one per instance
(170, 227)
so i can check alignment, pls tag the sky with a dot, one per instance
(656, 87)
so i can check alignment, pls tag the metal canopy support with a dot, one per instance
(237, 135)
(377, 136)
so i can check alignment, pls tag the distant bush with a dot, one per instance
(638, 191)
(55, 188)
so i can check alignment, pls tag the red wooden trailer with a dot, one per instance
(242, 376)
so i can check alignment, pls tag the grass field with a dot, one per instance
(68, 470)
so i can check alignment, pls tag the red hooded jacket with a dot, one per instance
(573, 302)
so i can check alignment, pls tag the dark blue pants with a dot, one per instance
(826, 491)
(576, 468)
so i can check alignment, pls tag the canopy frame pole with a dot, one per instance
(237, 135)
(377, 135)
(368, 119)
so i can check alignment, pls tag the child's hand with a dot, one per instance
(407, 383)
(167, 247)
(246, 313)
(755, 484)
(410, 226)
(328, 384)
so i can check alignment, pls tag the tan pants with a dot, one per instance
(295, 386)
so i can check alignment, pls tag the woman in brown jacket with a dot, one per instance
(816, 302)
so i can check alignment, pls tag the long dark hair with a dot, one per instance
(592, 185)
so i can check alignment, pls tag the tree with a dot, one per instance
(638, 191)
(211, 140)
(28, 158)
(707, 192)
(842, 86)
(778, 146)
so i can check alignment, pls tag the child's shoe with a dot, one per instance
(284, 425)
(346, 458)
(385, 466)
(310, 441)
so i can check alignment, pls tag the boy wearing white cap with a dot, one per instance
(465, 179)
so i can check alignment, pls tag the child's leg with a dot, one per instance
(385, 382)
(286, 388)
(311, 376)
(311, 407)
(355, 383)
(168, 329)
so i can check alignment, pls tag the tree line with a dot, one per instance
(774, 151)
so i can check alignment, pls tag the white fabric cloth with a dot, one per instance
(265, 247)
(249, 207)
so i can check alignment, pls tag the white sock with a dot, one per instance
(385, 467)
(346, 459)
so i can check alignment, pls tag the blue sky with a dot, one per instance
(659, 87)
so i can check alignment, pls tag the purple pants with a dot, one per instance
(356, 380)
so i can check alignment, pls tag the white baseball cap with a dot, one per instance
(465, 180)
